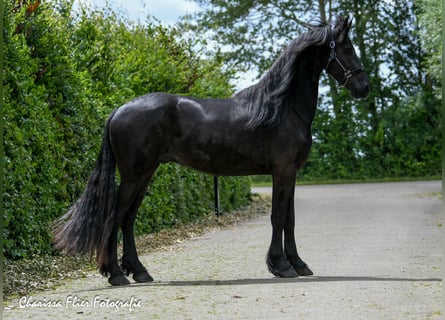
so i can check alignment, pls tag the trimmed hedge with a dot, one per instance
(179, 195)
(63, 75)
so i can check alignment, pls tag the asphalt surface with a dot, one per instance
(375, 250)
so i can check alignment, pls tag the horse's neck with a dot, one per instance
(288, 87)
(303, 95)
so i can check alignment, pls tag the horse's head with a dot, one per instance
(343, 64)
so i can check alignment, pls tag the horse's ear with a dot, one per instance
(347, 23)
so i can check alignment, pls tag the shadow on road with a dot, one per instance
(237, 282)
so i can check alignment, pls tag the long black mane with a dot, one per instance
(266, 101)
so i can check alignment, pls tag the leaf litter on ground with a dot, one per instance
(39, 273)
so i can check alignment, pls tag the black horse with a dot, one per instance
(264, 129)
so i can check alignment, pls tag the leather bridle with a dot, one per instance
(348, 74)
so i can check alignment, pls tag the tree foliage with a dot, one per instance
(430, 14)
(63, 74)
(395, 131)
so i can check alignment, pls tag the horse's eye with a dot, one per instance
(348, 50)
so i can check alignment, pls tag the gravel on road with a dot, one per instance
(375, 250)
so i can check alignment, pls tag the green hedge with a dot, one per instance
(181, 195)
(63, 75)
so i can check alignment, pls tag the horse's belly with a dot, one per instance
(219, 160)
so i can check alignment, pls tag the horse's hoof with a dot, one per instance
(286, 271)
(119, 280)
(304, 271)
(301, 267)
(142, 276)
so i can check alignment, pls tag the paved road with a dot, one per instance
(375, 250)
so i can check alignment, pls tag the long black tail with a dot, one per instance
(85, 228)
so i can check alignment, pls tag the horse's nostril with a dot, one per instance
(367, 87)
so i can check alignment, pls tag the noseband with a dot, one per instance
(347, 73)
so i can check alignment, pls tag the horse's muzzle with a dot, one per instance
(359, 86)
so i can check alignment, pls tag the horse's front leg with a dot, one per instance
(290, 246)
(282, 198)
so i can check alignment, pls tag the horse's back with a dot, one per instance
(157, 105)
(148, 105)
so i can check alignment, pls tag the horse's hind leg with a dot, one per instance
(129, 193)
(130, 261)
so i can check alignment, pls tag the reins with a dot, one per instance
(347, 73)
